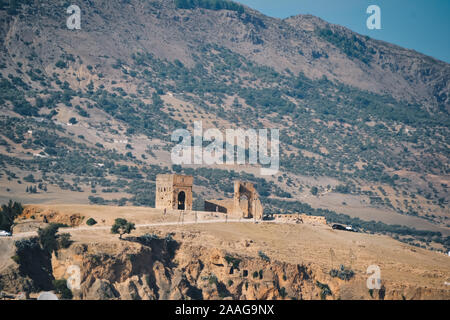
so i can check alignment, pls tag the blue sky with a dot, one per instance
(422, 25)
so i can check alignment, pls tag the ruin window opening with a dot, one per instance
(181, 200)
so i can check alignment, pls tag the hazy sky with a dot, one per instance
(422, 25)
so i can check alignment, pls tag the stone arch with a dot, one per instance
(244, 204)
(253, 207)
(181, 198)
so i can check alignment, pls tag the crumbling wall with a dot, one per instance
(245, 203)
(164, 192)
(301, 218)
(222, 206)
(254, 208)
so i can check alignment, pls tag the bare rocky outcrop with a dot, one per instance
(171, 267)
(132, 270)
(162, 268)
(27, 267)
(27, 225)
(34, 213)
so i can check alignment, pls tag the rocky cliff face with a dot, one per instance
(31, 270)
(151, 270)
(152, 267)
(167, 269)
(48, 216)
(349, 108)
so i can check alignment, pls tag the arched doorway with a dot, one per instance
(181, 200)
(244, 203)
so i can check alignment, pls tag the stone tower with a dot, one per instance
(174, 192)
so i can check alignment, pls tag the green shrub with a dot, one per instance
(73, 120)
(263, 256)
(343, 273)
(353, 47)
(91, 222)
(61, 64)
(64, 240)
(62, 289)
(324, 290)
(209, 4)
(212, 279)
(47, 238)
(8, 213)
(122, 226)
(233, 261)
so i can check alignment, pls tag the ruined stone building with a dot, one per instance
(245, 203)
(174, 192)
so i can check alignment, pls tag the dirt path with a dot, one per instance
(146, 225)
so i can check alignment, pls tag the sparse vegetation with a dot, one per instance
(353, 46)
(263, 256)
(324, 290)
(343, 273)
(61, 64)
(64, 240)
(233, 261)
(209, 4)
(212, 279)
(282, 292)
(62, 289)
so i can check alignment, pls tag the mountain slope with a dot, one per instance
(89, 113)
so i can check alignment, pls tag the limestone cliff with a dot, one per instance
(163, 268)
(171, 266)
(150, 269)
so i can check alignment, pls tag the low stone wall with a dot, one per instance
(301, 218)
(313, 219)
(223, 206)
